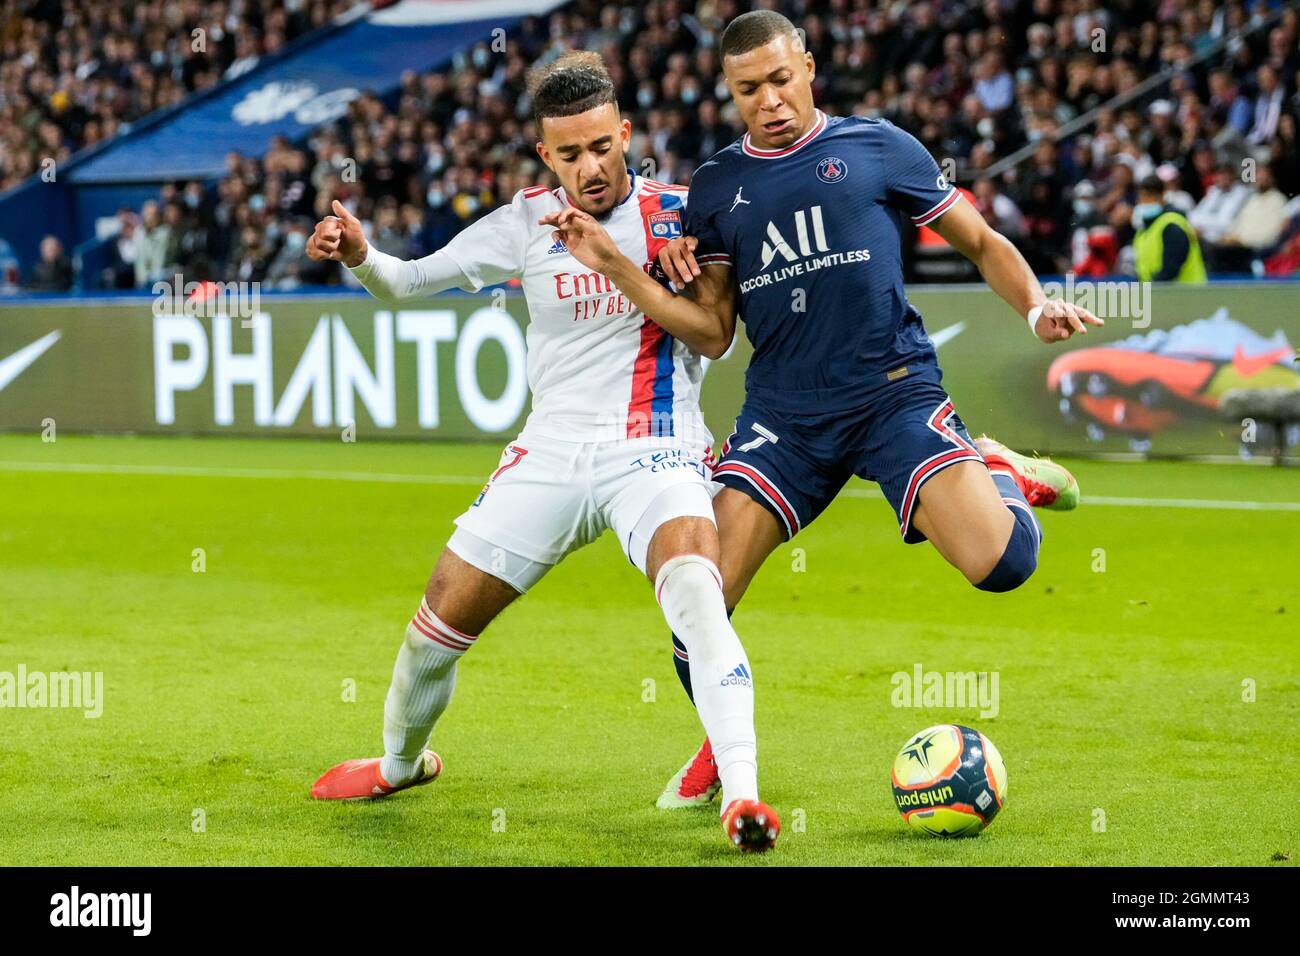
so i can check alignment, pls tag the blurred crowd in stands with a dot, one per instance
(974, 81)
(74, 73)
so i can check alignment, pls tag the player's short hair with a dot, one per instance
(569, 85)
(1151, 186)
(749, 31)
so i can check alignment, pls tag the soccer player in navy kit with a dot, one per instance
(798, 227)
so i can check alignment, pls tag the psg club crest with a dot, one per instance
(832, 169)
(666, 225)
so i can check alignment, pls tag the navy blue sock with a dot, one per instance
(1020, 559)
(683, 663)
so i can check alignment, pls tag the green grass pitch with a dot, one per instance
(1121, 690)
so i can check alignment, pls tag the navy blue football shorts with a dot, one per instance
(795, 464)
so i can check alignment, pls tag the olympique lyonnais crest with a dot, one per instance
(666, 225)
(832, 169)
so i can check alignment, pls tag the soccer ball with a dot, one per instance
(949, 781)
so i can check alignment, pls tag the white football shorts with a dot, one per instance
(549, 497)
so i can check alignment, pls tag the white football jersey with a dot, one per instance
(599, 370)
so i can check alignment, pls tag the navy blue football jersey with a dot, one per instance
(813, 234)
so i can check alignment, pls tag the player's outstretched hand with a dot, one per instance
(677, 259)
(585, 238)
(1059, 320)
(338, 237)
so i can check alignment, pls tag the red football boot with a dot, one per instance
(695, 785)
(751, 825)
(361, 779)
(1043, 482)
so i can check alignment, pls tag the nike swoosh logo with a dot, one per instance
(1247, 365)
(18, 363)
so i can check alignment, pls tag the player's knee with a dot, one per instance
(1017, 563)
(689, 579)
(689, 588)
(679, 520)
(1009, 574)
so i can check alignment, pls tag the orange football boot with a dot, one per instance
(751, 825)
(361, 779)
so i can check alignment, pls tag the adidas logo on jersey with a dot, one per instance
(739, 677)
(558, 247)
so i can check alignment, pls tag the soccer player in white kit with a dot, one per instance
(615, 440)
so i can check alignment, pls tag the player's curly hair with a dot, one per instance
(569, 85)
(749, 31)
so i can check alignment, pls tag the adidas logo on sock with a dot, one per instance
(739, 676)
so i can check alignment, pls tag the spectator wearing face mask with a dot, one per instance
(1086, 216)
(972, 87)
(1083, 204)
(1165, 248)
(291, 268)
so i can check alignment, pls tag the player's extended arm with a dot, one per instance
(705, 318)
(1009, 275)
(339, 237)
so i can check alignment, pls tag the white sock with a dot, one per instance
(424, 676)
(689, 589)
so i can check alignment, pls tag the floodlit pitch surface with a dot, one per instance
(1148, 701)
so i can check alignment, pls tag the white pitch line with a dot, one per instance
(1214, 504)
(1210, 503)
(291, 474)
(190, 471)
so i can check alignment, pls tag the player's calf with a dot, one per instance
(1023, 482)
(424, 677)
(982, 525)
(681, 561)
(697, 782)
(689, 589)
(462, 598)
